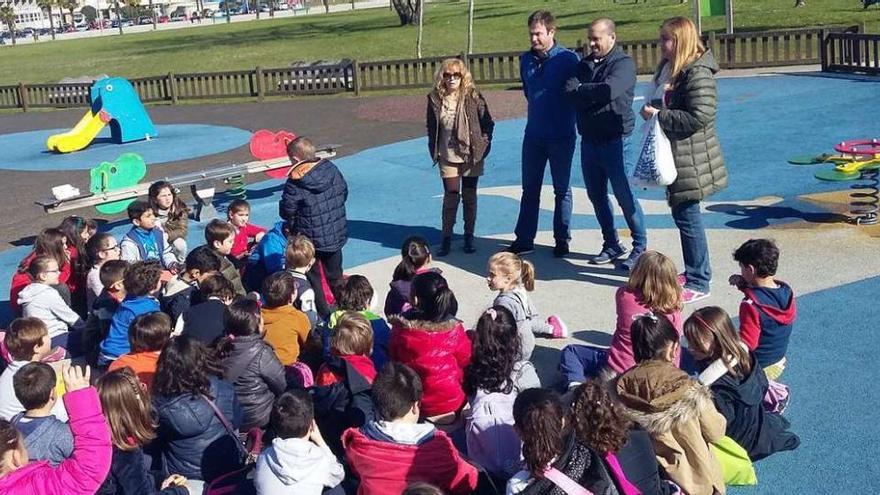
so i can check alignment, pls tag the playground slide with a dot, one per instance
(80, 136)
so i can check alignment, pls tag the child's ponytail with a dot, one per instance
(433, 297)
(414, 253)
(241, 318)
(528, 274)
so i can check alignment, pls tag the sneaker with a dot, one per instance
(629, 263)
(691, 296)
(682, 279)
(560, 331)
(517, 248)
(609, 254)
(561, 249)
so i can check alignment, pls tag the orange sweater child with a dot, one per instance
(147, 335)
(286, 328)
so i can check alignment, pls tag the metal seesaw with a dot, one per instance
(202, 185)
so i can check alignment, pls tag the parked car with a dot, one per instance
(163, 19)
(145, 20)
(178, 17)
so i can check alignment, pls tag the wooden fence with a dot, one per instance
(829, 47)
(851, 53)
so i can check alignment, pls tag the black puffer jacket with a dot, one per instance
(689, 123)
(581, 464)
(313, 204)
(258, 377)
(740, 401)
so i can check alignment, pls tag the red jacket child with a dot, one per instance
(438, 352)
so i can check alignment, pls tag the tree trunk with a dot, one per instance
(272, 8)
(153, 15)
(326, 6)
(470, 27)
(421, 28)
(51, 23)
(408, 11)
(118, 17)
(352, 4)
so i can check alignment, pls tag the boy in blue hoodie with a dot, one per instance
(768, 310)
(142, 280)
(145, 242)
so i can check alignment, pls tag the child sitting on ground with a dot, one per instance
(267, 257)
(768, 308)
(130, 415)
(553, 456)
(41, 300)
(146, 241)
(415, 258)
(652, 288)
(299, 257)
(182, 290)
(27, 341)
(46, 437)
(103, 308)
(204, 321)
(142, 281)
(738, 384)
(298, 461)
(433, 342)
(100, 249)
(80, 474)
(249, 363)
(513, 278)
(496, 374)
(677, 411)
(356, 294)
(172, 215)
(388, 453)
(219, 236)
(246, 234)
(287, 328)
(147, 336)
(343, 383)
(49, 242)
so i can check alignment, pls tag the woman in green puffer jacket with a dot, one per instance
(684, 97)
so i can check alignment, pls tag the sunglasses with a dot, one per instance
(452, 75)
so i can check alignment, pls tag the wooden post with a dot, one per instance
(258, 73)
(23, 96)
(172, 88)
(823, 53)
(711, 42)
(356, 77)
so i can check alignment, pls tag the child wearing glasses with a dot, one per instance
(459, 138)
(100, 249)
(41, 300)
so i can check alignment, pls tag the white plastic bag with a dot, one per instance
(655, 166)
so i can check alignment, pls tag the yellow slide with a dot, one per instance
(81, 135)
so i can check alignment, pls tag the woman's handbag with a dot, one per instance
(735, 464)
(656, 165)
(247, 456)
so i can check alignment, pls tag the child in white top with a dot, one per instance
(100, 248)
(41, 300)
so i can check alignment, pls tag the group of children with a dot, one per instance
(206, 360)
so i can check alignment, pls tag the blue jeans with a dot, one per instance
(606, 162)
(535, 155)
(694, 246)
(579, 362)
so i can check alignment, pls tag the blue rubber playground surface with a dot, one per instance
(762, 121)
(27, 150)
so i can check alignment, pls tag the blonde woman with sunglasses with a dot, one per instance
(459, 138)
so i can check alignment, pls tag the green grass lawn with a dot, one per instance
(375, 34)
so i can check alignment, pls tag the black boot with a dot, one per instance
(469, 244)
(445, 247)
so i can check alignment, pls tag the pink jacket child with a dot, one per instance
(620, 354)
(83, 472)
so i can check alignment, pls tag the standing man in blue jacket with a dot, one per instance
(602, 92)
(550, 133)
